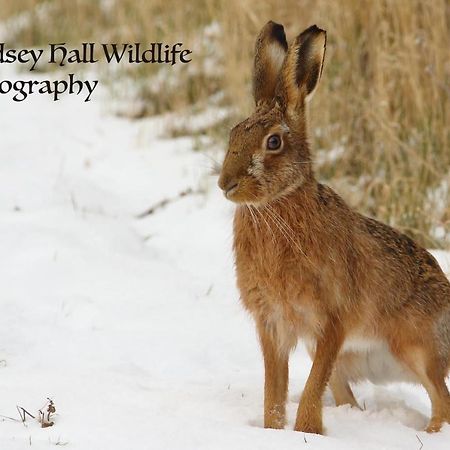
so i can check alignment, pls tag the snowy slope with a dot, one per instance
(133, 326)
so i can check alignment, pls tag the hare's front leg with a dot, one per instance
(309, 415)
(276, 365)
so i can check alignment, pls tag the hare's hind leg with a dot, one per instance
(338, 383)
(431, 370)
(432, 375)
(341, 390)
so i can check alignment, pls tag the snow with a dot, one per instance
(133, 326)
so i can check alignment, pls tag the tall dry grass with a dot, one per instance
(380, 119)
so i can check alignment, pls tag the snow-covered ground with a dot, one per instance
(133, 326)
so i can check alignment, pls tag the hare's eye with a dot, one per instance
(274, 142)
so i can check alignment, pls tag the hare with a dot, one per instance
(367, 300)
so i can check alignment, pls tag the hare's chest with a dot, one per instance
(272, 264)
(288, 309)
(287, 321)
(275, 284)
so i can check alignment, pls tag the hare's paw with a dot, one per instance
(275, 418)
(274, 424)
(309, 423)
(309, 428)
(435, 425)
(350, 402)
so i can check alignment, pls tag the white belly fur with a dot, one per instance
(368, 359)
(365, 359)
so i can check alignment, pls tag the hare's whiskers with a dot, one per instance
(253, 217)
(288, 233)
(267, 224)
(281, 225)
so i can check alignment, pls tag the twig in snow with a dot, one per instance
(421, 443)
(23, 413)
(209, 290)
(59, 442)
(164, 202)
(45, 412)
(9, 418)
(73, 201)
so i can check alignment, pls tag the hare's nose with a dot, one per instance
(227, 184)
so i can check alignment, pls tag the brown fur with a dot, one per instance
(310, 267)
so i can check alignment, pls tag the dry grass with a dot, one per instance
(384, 97)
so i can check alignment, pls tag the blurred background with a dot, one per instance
(380, 123)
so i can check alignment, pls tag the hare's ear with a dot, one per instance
(270, 50)
(302, 67)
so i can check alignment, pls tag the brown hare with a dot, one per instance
(368, 301)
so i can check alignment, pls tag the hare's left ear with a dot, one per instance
(302, 67)
(270, 50)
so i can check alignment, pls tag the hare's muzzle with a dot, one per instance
(228, 186)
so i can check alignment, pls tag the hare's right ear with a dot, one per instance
(302, 67)
(270, 50)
